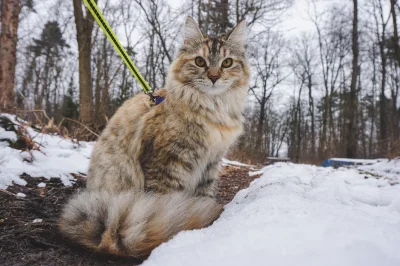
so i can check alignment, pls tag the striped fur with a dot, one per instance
(173, 147)
(130, 224)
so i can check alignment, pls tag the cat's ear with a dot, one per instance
(193, 33)
(238, 34)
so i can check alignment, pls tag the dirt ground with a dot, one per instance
(23, 242)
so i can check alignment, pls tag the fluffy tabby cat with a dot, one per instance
(154, 170)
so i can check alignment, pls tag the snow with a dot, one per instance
(7, 134)
(41, 184)
(228, 162)
(298, 215)
(386, 168)
(58, 157)
(37, 221)
(259, 172)
(20, 195)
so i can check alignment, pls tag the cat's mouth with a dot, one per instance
(213, 88)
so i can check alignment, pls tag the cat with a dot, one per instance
(154, 170)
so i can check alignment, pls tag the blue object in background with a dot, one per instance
(336, 164)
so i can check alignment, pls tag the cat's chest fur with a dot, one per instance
(180, 146)
(211, 129)
(221, 137)
(217, 140)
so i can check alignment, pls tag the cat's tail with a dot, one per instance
(130, 224)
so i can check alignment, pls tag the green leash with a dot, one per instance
(91, 5)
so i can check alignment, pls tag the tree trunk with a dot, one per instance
(45, 83)
(199, 21)
(36, 92)
(382, 102)
(104, 105)
(371, 145)
(298, 130)
(97, 93)
(224, 16)
(397, 56)
(331, 130)
(10, 10)
(395, 32)
(84, 27)
(237, 12)
(351, 142)
(260, 128)
(311, 111)
(322, 142)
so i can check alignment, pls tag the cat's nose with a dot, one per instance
(213, 78)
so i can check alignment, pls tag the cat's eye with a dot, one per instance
(227, 63)
(200, 62)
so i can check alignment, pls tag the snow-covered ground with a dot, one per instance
(298, 215)
(293, 215)
(58, 157)
(384, 168)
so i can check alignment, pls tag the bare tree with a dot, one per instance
(10, 10)
(152, 10)
(84, 28)
(381, 23)
(395, 30)
(266, 12)
(304, 67)
(395, 77)
(333, 46)
(351, 143)
(214, 17)
(269, 74)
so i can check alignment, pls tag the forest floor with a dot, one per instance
(28, 225)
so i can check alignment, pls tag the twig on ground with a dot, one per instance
(7, 192)
(87, 128)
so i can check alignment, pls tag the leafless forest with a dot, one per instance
(329, 91)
